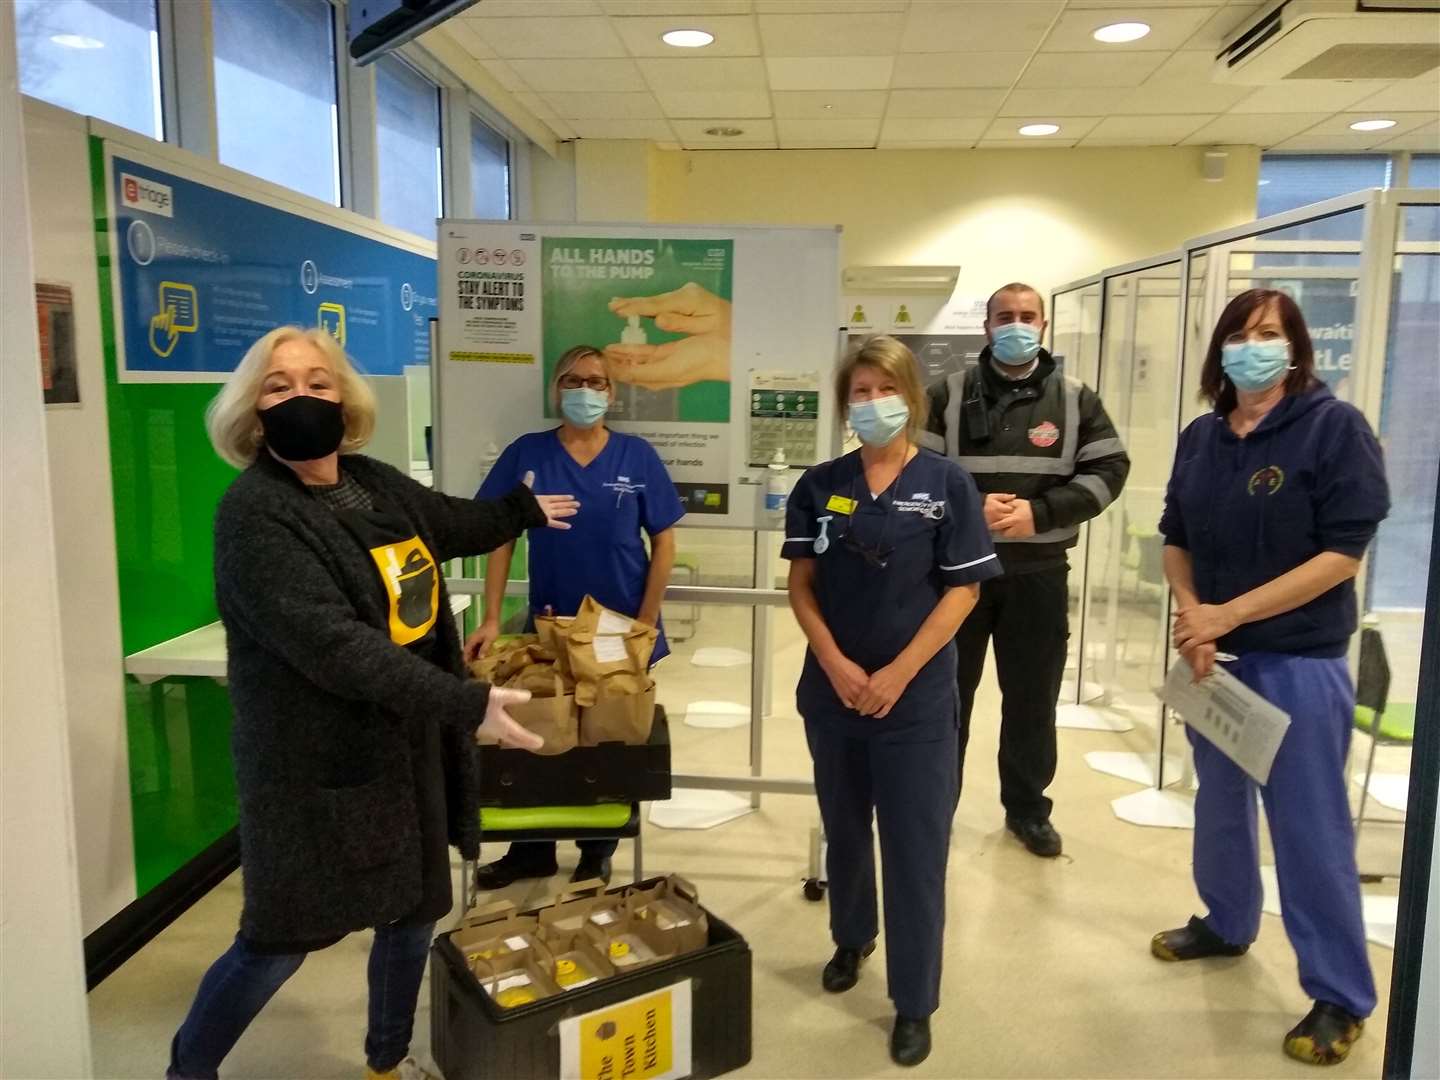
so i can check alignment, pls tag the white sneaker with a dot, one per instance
(409, 1069)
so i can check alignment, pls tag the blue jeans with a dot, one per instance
(239, 984)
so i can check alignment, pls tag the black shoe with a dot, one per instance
(1037, 834)
(910, 1041)
(589, 869)
(1193, 941)
(1325, 1036)
(511, 868)
(843, 970)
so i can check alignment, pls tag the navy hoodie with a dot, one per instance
(1308, 479)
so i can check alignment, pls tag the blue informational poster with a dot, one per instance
(202, 273)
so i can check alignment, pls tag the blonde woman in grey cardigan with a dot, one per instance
(354, 722)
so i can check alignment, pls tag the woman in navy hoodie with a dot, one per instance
(1272, 501)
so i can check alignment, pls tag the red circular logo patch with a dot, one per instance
(1046, 434)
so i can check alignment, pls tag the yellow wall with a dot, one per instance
(1043, 216)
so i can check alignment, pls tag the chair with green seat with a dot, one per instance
(518, 825)
(1389, 724)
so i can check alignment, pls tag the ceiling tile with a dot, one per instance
(1191, 66)
(542, 111)
(670, 7)
(701, 73)
(831, 35)
(1169, 29)
(505, 75)
(668, 146)
(1102, 5)
(847, 132)
(928, 71)
(758, 134)
(579, 75)
(583, 36)
(503, 9)
(900, 129)
(945, 102)
(734, 35)
(1064, 70)
(1071, 128)
(1424, 139)
(703, 103)
(1353, 143)
(829, 72)
(1158, 130)
(1419, 93)
(1259, 129)
(978, 25)
(621, 129)
(463, 32)
(1339, 124)
(1304, 95)
(939, 144)
(821, 7)
(1212, 36)
(829, 104)
(585, 106)
(1170, 99)
(1062, 102)
(1026, 144)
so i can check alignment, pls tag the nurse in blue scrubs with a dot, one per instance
(627, 494)
(887, 547)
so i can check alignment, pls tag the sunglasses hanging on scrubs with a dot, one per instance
(876, 556)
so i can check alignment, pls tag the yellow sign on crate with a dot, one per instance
(645, 1038)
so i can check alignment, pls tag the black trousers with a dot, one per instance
(1027, 615)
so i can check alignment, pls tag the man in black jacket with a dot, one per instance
(1047, 459)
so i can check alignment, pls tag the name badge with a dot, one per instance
(840, 504)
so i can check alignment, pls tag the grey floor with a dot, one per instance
(1048, 972)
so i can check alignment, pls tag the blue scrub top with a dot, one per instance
(929, 531)
(625, 489)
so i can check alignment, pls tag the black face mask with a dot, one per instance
(303, 428)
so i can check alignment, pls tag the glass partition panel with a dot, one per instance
(1075, 342)
(1318, 263)
(1198, 328)
(1125, 619)
(1395, 588)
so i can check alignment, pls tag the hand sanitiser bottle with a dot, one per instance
(634, 333)
(777, 486)
(639, 403)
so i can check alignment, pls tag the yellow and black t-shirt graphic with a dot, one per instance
(413, 586)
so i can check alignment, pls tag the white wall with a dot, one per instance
(57, 156)
(44, 1027)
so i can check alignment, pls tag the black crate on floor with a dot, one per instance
(609, 773)
(472, 1038)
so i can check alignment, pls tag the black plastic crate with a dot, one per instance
(472, 1038)
(611, 772)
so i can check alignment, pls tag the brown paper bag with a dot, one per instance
(518, 979)
(494, 931)
(624, 711)
(555, 718)
(552, 632)
(671, 908)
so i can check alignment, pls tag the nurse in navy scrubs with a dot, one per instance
(887, 547)
(627, 493)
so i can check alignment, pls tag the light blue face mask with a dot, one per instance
(1255, 365)
(1015, 344)
(877, 421)
(584, 407)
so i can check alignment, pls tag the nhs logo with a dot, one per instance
(146, 196)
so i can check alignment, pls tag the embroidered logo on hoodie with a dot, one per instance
(1267, 481)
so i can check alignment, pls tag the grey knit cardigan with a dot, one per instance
(329, 817)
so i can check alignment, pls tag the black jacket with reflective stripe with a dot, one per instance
(1046, 438)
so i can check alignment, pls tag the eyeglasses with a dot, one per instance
(877, 556)
(595, 382)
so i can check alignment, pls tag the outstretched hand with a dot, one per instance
(556, 507)
(501, 726)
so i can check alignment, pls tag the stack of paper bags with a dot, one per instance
(523, 662)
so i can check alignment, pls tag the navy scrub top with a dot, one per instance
(929, 531)
(625, 489)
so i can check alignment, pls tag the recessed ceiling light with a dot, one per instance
(687, 39)
(77, 41)
(1372, 125)
(725, 132)
(1263, 183)
(1036, 130)
(1121, 32)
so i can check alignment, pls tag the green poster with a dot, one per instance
(659, 309)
